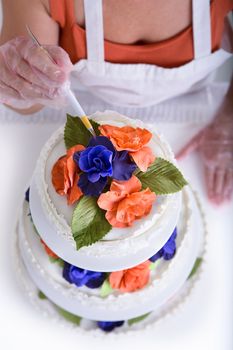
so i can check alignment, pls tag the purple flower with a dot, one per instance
(123, 167)
(81, 277)
(27, 194)
(108, 326)
(99, 161)
(168, 250)
(89, 188)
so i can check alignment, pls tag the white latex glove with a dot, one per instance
(215, 145)
(28, 77)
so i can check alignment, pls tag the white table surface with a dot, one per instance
(205, 320)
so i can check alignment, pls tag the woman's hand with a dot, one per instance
(215, 145)
(28, 76)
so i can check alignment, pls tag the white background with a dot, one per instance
(205, 320)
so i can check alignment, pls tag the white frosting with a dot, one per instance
(127, 305)
(56, 211)
(88, 328)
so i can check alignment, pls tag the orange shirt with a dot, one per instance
(169, 53)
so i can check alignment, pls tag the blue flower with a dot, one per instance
(81, 277)
(123, 167)
(99, 161)
(168, 250)
(27, 194)
(108, 326)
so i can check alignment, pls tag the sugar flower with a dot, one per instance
(27, 194)
(125, 202)
(81, 277)
(108, 326)
(126, 137)
(49, 252)
(131, 139)
(168, 250)
(65, 176)
(99, 161)
(131, 279)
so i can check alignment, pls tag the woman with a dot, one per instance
(131, 67)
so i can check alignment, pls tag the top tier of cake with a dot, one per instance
(120, 248)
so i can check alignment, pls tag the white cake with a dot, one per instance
(120, 249)
(134, 245)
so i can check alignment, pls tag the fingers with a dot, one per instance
(50, 72)
(16, 64)
(190, 146)
(7, 93)
(25, 89)
(219, 184)
(219, 181)
(29, 75)
(228, 185)
(61, 57)
(209, 179)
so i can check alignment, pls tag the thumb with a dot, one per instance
(191, 146)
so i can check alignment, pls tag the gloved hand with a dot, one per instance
(215, 145)
(28, 76)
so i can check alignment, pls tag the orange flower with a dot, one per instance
(124, 203)
(143, 158)
(131, 279)
(49, 251)
(65, 176)
(132, 140)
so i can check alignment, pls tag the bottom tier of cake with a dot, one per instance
(170, 280)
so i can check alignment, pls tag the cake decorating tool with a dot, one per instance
(69, 93)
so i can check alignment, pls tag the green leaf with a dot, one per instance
(58, 261)
(76, 133)
(68, 316)
(153, 265)
(89, 224)
(195, 267)
(106, 289)
(137, 319)
(41, 295)
(162, 177)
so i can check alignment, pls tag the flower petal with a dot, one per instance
(126, 137)
(74, 192)
(109, 200)
(143, 158)
(131, 279)
(76, 148)
(115, 279)
(111, 217)
(91, 189)
(96, 280)
(70, 164)
(60, 179)
(122, 166)
(127, 187)
(49, 251)
(135, 206)
(101, 140)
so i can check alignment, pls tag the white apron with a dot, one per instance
(125, 87)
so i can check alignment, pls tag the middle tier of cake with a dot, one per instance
(166, 276)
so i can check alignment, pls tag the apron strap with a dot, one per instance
(95, 34)
(201, 28)
(94, 30)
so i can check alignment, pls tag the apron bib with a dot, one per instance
(141, 85)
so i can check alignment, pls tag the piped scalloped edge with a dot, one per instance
(121, 300)
(57, 220)
(49, 312)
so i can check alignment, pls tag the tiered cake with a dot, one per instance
(109, 233)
